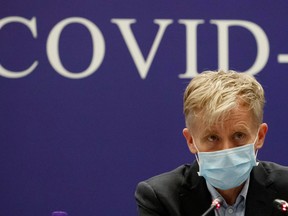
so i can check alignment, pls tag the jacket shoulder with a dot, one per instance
(273, 168)
(277, 175)
(159, 195)
(168, 180)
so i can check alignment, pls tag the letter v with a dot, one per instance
(142, 64)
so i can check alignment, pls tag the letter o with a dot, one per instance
(53, 47)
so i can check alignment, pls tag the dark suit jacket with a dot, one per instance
(183, 192)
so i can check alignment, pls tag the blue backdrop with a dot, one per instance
(91, 93)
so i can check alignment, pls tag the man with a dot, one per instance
(224, 129)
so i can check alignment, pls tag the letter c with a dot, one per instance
(31, 24)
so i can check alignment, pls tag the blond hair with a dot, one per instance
(212, 94)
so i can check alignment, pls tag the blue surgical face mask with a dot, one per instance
(227, 168)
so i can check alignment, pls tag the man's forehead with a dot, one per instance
(234, 120)
(239, 126)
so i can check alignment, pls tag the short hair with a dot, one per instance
(213, 94)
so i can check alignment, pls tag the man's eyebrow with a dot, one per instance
(209, 132)
(241, 128)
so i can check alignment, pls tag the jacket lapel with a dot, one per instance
(194, 196)
(260, 197)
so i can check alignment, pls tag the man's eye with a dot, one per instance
(212, 138)
(239, 136)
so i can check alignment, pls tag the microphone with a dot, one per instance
(281, 205)
(216, 204)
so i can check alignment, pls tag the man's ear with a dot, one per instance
(189, 140)
(261, 135)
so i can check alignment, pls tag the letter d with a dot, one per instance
(223, 41)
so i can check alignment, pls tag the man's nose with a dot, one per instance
(227, 144)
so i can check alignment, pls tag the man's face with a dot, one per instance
(237, 130)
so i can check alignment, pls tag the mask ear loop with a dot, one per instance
(256, 152)
(196, 155)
